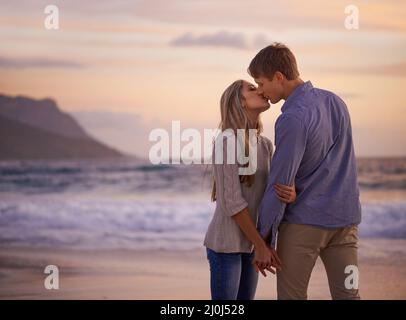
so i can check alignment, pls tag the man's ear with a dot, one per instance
(279, 76)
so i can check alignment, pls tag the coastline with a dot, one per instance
(158, 274)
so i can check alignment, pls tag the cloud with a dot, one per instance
(395, 70)
(349, 95)
(126, 131)
(234, 40)
(219, 39)
(23, 63)
(277, 15)
(108, 120)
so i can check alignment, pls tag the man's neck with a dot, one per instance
(291, 86)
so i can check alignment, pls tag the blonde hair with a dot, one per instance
(234, 116)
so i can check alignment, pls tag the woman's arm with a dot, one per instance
(265, 257)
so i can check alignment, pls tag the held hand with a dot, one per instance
(285, 193)
(262, 258)
(275, 262)
(258, 269)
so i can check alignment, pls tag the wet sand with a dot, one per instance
(127, 274)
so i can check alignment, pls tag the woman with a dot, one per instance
(232, 235)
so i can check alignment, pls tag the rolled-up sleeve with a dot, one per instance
(228, 187)
(290, 144)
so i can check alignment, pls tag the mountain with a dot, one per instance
(43, 114)
(37, 129)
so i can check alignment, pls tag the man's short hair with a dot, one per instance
(275, 57)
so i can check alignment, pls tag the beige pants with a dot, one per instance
(299, 246)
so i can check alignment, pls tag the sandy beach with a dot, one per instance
(127, 274)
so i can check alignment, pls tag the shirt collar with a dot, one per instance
(296, 93)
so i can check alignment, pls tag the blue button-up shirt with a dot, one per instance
(314, 149)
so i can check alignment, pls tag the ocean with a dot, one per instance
(131, 204)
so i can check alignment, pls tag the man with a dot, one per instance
(314, 150)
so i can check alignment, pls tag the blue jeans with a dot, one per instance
(232, 275)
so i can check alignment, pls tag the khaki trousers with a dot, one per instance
(299, 246)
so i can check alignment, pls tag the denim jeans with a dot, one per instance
(232, 275)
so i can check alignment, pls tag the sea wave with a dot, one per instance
(142, 224)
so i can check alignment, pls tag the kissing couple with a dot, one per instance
(302, 202)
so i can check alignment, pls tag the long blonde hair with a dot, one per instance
(234, 116)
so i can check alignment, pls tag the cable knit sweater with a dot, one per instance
(224, 234)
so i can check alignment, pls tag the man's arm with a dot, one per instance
(290, 142)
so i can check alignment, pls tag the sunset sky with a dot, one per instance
(124, 68)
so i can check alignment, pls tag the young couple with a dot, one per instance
(303, 200)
